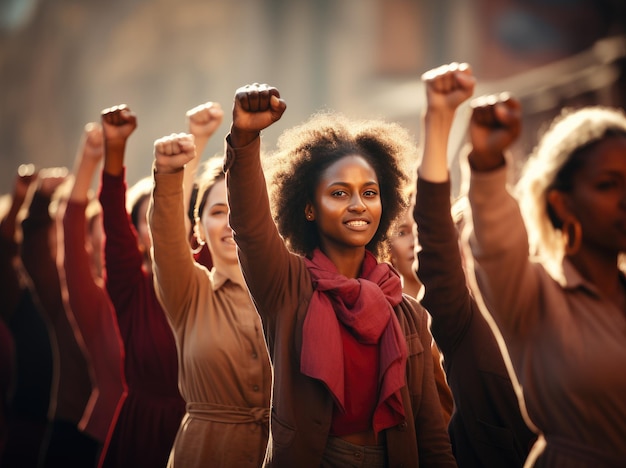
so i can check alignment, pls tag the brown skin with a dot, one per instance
(256, 107)
(118, 123)
(347, 210)
(597, 200)
(348, 190)
(495, 124)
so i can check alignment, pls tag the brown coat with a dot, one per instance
(281, 288)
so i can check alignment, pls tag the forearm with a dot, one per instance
(76, 261)
(499, 245)
(173, 263)
(123, 258)
(264, 259)
(9, 222)
(434, 164)
(446, 296)
(36, 255)
(83, 177)
(114, 151)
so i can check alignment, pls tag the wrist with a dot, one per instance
(115, 143)
(439, 113)
(486, 162)
(438, 119)
(240, 138)
(164, 169)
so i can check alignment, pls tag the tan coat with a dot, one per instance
(225, 374)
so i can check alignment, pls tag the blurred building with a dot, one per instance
(63, 61)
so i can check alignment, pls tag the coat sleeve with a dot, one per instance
(499, 247)
(268, 267)
(176, 274)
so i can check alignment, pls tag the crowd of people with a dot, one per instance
(322, 303)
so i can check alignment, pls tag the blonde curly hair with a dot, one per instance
(551, 165)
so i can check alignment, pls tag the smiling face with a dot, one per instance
(217, 232)
(347, 207)
(598, 196)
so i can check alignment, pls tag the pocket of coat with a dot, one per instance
(282, 434)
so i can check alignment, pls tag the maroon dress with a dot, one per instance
(152, 413)
(91, 313)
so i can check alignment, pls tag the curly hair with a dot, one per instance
(303, 154)
(558, 156)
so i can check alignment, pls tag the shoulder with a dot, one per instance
(412, 316)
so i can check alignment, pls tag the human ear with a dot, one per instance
(558, 205)
(309, 212)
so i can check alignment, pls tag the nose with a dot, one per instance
(356, 204)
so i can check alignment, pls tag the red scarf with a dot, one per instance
(365, 307)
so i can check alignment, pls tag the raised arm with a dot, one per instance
(88, 301)
(264, 259)
(446, 295)
(118, 124)
(9, 248)
(39, 240)
(256, 107)
(203, 122)
(499, 241)
(175, 271)
(87, 161)
(26, 175)
(123, 258)
(447, 87)
(81, 284)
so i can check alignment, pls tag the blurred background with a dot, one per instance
(63, 61)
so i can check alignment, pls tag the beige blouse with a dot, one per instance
(224, 370)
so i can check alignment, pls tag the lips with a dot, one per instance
(228, 240)
(358, 224)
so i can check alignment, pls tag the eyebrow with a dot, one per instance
(346, 184)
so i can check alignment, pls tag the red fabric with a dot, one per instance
(203, 257)
(361, 386)
(151, 414)
(365, 307)
(90, 309)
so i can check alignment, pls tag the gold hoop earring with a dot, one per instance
(573, 236)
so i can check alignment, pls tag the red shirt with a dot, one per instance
(361, 386)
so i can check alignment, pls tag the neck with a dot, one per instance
(603, 272)
(347, 262)
(411, 286)
(231, 270)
